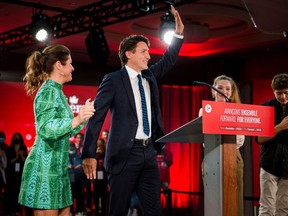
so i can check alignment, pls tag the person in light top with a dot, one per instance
(229, 88)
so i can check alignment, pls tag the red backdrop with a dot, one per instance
(16, 110)
(181, 104)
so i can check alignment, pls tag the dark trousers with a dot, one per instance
(88, 196)
(11, 205)
(100, 192)
(2, 189)
(140, 174)
(77, 187)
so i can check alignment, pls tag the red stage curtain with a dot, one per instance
(181, 104)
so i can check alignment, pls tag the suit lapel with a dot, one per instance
(128, 88)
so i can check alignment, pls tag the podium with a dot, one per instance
(220, 159)
(220, 179)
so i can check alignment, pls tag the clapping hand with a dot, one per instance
(85, 113)
(87, 110)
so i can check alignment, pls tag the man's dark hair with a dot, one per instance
(280, 81)
(129, 44)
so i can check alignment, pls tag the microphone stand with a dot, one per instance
(212, 87)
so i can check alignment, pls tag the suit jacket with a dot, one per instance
(115, 93)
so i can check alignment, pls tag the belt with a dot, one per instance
(142, 142)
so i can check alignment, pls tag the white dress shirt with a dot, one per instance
(135, 87)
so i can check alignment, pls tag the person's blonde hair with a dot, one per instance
(41, 63)
(235, 97)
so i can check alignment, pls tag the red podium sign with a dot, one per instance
(235, 118)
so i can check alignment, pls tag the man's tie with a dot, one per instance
(144, 107)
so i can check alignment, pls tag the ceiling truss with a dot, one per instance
(96, 15)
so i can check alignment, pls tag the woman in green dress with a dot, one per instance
(45, 185)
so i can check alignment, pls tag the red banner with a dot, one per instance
(16, 112)
(235, 118)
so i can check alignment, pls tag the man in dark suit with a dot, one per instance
(130, 158)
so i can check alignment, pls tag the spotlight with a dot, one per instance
(167, 27)
(40, 27)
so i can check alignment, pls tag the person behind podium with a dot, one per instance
(274, 154)
(229, 88)
(130, 158)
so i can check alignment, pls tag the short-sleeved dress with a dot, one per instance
(45, 180)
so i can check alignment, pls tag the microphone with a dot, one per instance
(215, 89)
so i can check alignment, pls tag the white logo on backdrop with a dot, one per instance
(73, 100)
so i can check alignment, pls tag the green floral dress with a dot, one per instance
(45, 180)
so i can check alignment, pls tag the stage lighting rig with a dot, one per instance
(167, 27)
(70, 22)
(40, 27)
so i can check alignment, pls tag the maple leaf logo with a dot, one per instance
(73, 99)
